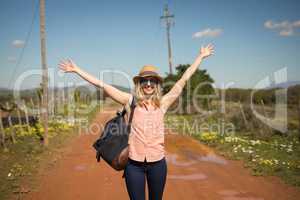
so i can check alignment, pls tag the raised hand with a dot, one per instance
(207, 51)
(68, 66)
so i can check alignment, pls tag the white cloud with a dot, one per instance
(268, 24)
(296, 24)
(281, 25)
(11, 59)
(18, 43)
(208, 33)
(288, 32)
(284, 28)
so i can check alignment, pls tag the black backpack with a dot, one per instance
(112, 146)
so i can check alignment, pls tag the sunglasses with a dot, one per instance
(148, 82)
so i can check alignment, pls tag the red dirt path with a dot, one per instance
(194, 172)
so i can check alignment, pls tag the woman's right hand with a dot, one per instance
(116, 94)
(68, 66)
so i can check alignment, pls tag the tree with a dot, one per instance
(77, 95)
(200, 81)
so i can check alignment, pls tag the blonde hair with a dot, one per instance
(155, 97)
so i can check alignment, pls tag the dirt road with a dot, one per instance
(194, 172)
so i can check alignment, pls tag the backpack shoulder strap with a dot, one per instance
(132, 107)
(133, 102)
(128, 107)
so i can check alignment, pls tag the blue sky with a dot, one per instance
(252, 38)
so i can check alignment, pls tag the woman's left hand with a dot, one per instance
(206, 51)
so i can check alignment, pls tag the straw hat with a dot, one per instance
(148, 70)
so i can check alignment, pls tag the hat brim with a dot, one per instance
(136, 78)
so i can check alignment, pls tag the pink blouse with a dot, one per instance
(146, 138)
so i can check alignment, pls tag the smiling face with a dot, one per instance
(148, 85)
(148, 89)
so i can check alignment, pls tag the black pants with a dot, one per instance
(136, 174)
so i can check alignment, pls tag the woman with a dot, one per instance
(146, 140)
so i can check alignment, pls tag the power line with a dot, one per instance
(26, 42)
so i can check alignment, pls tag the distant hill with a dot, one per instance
(89, 86)
(7, 94)
(284, 84)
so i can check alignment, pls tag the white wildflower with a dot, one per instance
(283, 145)
(243, 150)
(289, 150)
(254, 142)
(250, 151)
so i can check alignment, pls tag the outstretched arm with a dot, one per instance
(176, 90)
(116, 94)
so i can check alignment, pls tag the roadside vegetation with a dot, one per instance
(22, 149)
(264, 154)
(22, 158)
(227, 120)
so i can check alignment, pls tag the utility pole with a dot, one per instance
(168, 18)
(45, 72)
